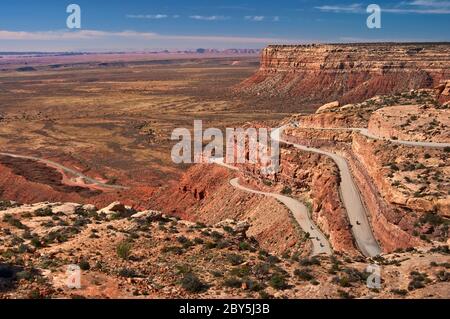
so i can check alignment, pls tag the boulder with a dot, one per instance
(149, 215)
(327, 107)
(115, 209)
(66, 208)
(239, 227)
(242, 227)
(89, 207)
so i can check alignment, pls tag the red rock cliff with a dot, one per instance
(348, 72)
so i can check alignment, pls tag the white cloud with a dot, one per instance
(276, 19)
(414, 7)
(209, 18)
(95, 35)
(431, 3)
(255, 18)
(56, 35)
(351, 8)
(147, 16)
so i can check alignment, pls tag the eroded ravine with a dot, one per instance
(299, 212)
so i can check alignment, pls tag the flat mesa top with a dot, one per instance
(400, 44)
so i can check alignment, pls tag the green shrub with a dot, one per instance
(278, 281)
(303, 275)
(235, 259)
(310, 261)
(432, 218)
(286, 191)
(7, 218)
(221, 244)
(192, 283)
(228, 229)
(393, 167)
(443, 276)
(254, 285)
(35, 241)
(344, 294)
(273, 259)
(261, 270)
(198, 241)
(210, 245)
(123, 250)
(264, 295)
(84, 265)
(400, 292)
(4, 205)
(233, 282)
(182, 239)
(243, 245)
(216, 235)
(43, 212)
(173, 249)
(127, 273)
(242, 271)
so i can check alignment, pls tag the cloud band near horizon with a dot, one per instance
(130, 39)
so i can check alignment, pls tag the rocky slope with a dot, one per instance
(411, 123)
(348, 72)
(122, 253)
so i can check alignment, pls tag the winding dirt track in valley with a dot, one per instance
(299, 211)
(88, 180)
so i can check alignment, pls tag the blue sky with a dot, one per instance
(30, 25)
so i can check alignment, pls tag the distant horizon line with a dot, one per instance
(212, 49)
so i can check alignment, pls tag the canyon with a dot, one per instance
(363, 178)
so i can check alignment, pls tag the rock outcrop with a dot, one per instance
(443, 91)
(328, 106)
(348, 72)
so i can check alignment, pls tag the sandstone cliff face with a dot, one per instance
(387, 221)
(398, 200)
(348, 72)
